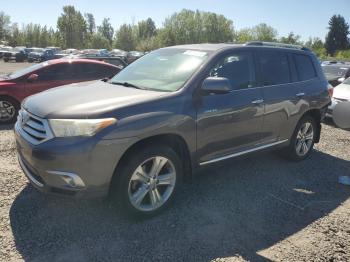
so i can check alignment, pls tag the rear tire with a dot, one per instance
(303, 139)
(148, 180)
(8, 110)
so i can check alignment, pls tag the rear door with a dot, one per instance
(229, 123)
(277, 75)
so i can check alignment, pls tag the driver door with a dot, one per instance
(231, 122)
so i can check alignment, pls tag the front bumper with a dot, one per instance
(76, 167)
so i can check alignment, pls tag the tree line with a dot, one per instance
(77, 30)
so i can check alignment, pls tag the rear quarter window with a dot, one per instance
(274, 67)
(305, 67)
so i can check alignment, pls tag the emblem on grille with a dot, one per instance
(24, 118)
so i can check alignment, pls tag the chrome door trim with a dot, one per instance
(300, 94)
(242, 152)
(258, 101)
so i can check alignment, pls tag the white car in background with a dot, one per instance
(341, 93)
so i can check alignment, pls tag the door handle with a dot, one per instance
(258, 101)
(300, 94)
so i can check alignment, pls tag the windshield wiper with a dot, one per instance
(127, 84)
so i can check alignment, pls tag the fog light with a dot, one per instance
(70, 179)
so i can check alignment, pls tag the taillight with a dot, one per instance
(330, 90)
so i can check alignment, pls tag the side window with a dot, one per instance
(94, 71)
(305, 67)
(274, 68)
(87, 71)
(55, 72)
(238, 68)
(103, 71)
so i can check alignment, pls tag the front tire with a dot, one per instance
(303, 139)
(148, 180)
(8, 110)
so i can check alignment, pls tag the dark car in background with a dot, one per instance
(4, 50)
(66, 52)
(40, 77)
(119, 53)
(133, 55)
(40, 55)
(336, 72)
(172, 111)
(17, 54)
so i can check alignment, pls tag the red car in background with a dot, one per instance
(17, 86)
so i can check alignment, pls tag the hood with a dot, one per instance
(342, 91)
(85, 100)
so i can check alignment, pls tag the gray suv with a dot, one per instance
(139, 134)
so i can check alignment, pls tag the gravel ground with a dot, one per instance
(256, 208)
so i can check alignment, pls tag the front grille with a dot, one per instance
(34, 129)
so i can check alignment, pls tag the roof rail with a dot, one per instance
(276, 44)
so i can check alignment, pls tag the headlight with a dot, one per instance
(79, 127)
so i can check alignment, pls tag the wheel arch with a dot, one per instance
(174, 141)
(316, 115)
(18, 104)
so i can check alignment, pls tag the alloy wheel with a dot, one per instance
(7, 111)
(304, 140)
(152, 183)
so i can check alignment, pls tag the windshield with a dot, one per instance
(27, 70)
(335, 71)
(163, 70)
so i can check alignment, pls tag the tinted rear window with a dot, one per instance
(305, 67)
(274, 68)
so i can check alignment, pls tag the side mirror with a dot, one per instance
(216, 85)
(341, 80)
(32, 78)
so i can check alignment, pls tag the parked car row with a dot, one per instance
(35, 54)
(21, 53)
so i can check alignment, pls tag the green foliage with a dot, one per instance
(314, 43)
(72, 27)
(148, 44)
(90, 23)
(5, 23)
(98, 41)
(337, 37)
(343, 54)
(260, 32)
(185, 27)
(106, 30)
(146, 29)
(188, 27)
(125, 38)
(292, 39)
